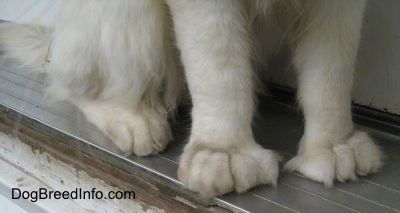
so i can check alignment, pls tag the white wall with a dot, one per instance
(28, 11)
(377, 81)
(378, 68)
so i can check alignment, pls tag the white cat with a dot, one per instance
(116, 61)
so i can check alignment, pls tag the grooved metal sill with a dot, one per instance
(278, 126)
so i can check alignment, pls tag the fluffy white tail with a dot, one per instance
(27, 44)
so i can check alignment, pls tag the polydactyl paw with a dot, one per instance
(358, 156)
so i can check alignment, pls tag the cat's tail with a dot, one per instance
(27, 44)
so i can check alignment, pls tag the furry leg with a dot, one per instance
(222, 154)
(325, 56)
(113, 60)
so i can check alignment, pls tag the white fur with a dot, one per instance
(216, 50)
(27, 43)
(114, 60)
(118, 64)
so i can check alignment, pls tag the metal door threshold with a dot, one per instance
(278, 126)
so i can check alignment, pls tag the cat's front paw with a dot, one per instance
(139, 133)
(142, 132)
(357, 156)
(215, 172)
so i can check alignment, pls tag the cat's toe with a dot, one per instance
(368, 156)
(140, 134)
(318, 165)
